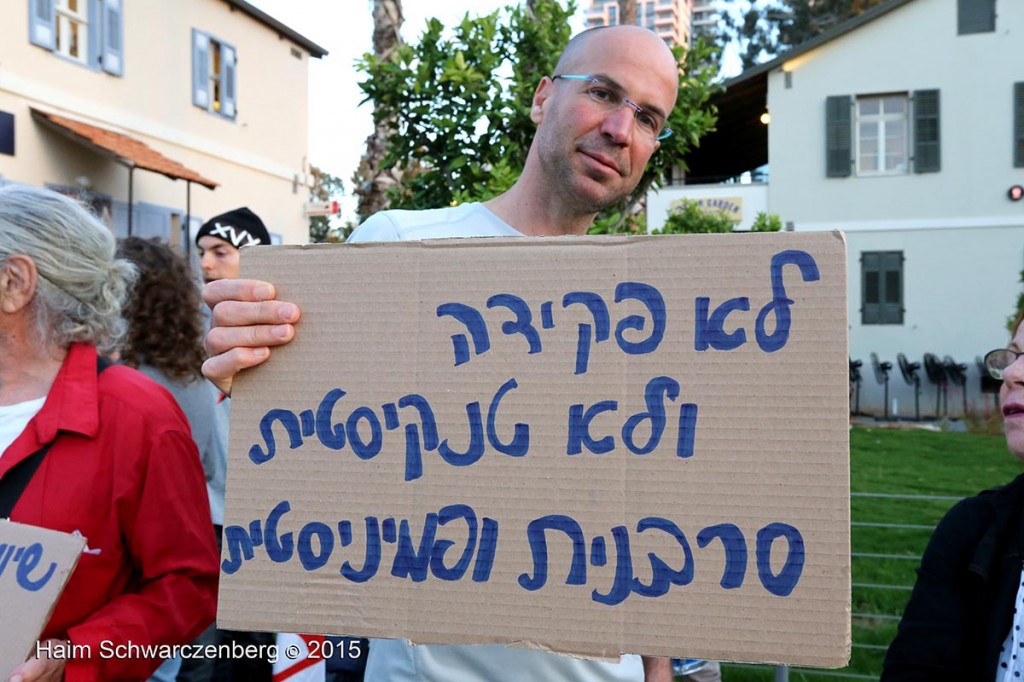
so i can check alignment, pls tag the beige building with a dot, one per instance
(704, 17)
(181, 110)
(670, 19)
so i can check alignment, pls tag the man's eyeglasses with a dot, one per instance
(611, 98)
(996, 361)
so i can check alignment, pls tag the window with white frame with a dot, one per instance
(213, 74)
(88, 32)
(73, 29)
(882, 135)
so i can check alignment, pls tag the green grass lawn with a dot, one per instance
(904, 462)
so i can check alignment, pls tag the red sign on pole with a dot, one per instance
(321, 208)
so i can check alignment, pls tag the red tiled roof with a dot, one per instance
(124, 149)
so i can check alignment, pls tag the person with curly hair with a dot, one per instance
(164, 342)
(94, 449)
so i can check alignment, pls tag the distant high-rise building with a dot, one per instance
(704, 17)
(670, 19)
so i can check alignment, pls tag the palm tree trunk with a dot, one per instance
(371, 181)
(627, 12)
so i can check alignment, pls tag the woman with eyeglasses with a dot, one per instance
(965, 618)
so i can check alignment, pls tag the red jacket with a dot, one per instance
(124, 472)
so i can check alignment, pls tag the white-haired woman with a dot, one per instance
(101, 451)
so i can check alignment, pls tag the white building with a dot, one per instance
(904, 128)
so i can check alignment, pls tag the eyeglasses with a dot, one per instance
(996, 361)
(611, 98)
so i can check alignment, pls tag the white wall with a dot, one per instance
(960, 286)
(963, 240)
(749, 200)
(913, 47)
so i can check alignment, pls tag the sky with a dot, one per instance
(338, 126)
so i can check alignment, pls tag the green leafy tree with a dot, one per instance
(800, 20)
(766, 222)
(690, 218)
(458, 119)
(459, 106)
(326, 187)
(750, 28)
(763, 29)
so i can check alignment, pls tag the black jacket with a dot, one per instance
(961, 608)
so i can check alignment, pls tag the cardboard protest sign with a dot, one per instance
(35, 564)
(583, 444)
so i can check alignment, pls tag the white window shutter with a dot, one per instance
(42, 21)
(113, 38)
(200, 69)
(227, 80)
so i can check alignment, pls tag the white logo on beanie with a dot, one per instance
(234, 235)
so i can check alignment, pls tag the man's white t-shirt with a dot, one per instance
(14, 418)
(393, 660)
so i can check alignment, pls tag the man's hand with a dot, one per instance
(657, 669)
(247, 321)
(43, 669)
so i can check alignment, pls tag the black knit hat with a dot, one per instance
(240, 227)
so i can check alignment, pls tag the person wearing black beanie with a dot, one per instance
(221, 237)
(219, 241)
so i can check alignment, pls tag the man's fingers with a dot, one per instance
(232, 349)
(223, 339)
(246, 323)
(221, 369)
(237, 290)
(238, 313)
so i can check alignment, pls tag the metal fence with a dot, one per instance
(866, 617)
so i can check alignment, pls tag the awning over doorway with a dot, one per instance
(123, 149)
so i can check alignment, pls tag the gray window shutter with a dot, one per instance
(870, 288)
(228, 84)
(42, 19)
(838, 136)
(113, 38)
(892, 287)
(6, 135)
(200, 69)
(152, 221)
(882, 287)
(120, 215)
(1018, 125)
(927, 151)
(975, 16)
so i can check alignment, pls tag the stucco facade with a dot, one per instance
(943, 218)
(960, 236)
(256, 155)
